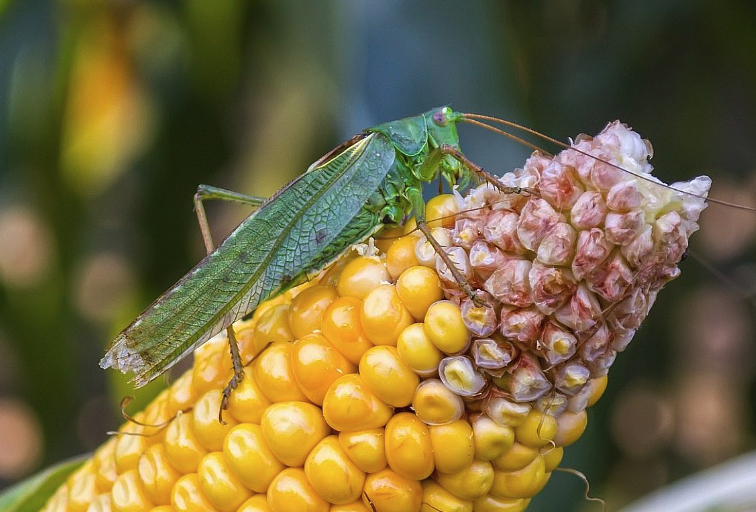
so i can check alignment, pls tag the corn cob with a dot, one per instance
(380, 386)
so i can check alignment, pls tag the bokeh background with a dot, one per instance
(112, 112)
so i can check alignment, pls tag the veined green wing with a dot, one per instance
(299, 230)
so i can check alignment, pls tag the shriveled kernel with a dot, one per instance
(272, 326)
(316, 365)
(274, 375)
(182, 447)
(128, 493)
(522, 483)
(489, 503)
(332, 474)
(292, 429)
(537, 430)
(384, 316)
(506, 412)
(517, 457)
(435, 404)
(361, 276)
(187, 496)
(437, 498)
(419, 287)
(408, 446)
(366, 448)
(598, 386)
(470, 483)
(445, 328)
(307, 308)
(250, 458)
(552, 457)
(570, 426)
(210, 432)
(490, 438)
(247, 403)
(401, 255)
(342, 327)
(440, 211)
(459, 375)
(387, 376)
(181, 396)
(219, 483)
(387, 491)
(417, 351)
(82, 488)
(257, 503)
(350, 406)
(158, 474)
(291, 491)
(453, 448)
(424, 250)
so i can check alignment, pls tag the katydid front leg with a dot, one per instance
(205, 192)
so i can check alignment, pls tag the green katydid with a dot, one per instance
(373, 180)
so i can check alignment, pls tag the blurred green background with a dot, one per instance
(112, 112)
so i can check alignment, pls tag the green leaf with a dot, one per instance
(32, 494)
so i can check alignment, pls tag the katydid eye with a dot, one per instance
(441, 118)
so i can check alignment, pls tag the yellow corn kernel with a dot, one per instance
(105, 465)
(523, 483)
(250, 458)
(517, 457)
(274, 374)
(187, 496)
(384, 316)
(128, 493)
(387, 491)
(490, 438)
(158, 474)
(435, 404)
(210, 371)
(387, 376)
(272, 326)
(342, 327)
(355, 506)
(490, 503)
(210, 432)
(401, 255)
(82, 488)
(387, 236)
(332, 474)
(182, 447)
(350, 406)
(445, 328)
(417, 351)
(437, 498)
(257, 503)
(181, 395)
(367, 448)
(537, 430)
(361, 276)
(440, 211)
(316, 365)
(219, 484)
(307, 308)
(453, 448)
(291, 491)
(598, 386)
(419, 287)
(408, 446)
(426, 253)
(130, 445)
(292, 429)
(58, 501)
(101, 503)
(249, 346)
(470, 483)
(162, 508)
(570, 426)
(552, 457)
(247, 402)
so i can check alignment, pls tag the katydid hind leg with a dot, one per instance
(203, 193)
